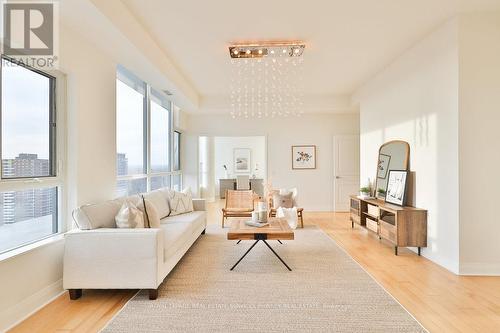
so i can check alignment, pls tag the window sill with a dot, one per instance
(31, 247)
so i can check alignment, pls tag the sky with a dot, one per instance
(129, 115)
(25, 112)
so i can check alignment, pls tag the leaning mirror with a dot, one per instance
(392, 155)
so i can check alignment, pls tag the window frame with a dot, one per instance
(57, 150)
(52, 119)
(150, 93)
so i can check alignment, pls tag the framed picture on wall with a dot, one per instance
(383, 165)
(242, 160)
(396, 187)
(303, 157)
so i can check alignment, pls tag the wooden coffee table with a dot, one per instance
(278, 229)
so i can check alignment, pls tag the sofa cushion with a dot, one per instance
(158, 199)
(190, 217)
(179, 229)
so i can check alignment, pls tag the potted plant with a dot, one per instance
(381, 192)
(365, 191)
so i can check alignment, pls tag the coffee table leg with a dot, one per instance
(251, 247)
(279, 241)
(238, 241)
(269, 246)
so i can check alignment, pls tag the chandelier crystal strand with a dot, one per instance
(267, 81)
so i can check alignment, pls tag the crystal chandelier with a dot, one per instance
(266, 79)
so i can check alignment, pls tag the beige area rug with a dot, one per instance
(327, 291)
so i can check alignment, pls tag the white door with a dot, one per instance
(346, 170)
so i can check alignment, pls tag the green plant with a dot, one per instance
(381, 191)
(365, 190)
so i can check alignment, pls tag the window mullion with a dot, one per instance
(147, 135)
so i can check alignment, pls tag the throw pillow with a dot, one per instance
(153, 219)
(129, 216)
(158, 199)
(283, 200)
(289, 214)
(180, 202)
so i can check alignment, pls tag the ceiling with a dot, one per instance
(347, 41)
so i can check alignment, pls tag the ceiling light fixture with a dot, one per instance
(267, 79)
(265, 49)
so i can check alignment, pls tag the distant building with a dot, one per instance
(16, 206)
(121, 164)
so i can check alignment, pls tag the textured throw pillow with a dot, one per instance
(180, 202)
(283, 200)
(129, 216)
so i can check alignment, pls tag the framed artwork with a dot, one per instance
(396, 187)
(242, 160)
(303, 157)
(383, 165)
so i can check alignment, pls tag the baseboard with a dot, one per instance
(22, 310)
(480, 269)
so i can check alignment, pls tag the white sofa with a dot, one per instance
(106, 257)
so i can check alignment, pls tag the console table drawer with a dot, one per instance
(388, 232)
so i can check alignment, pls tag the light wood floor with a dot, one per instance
(440, 300)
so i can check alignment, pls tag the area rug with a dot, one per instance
(326, 291)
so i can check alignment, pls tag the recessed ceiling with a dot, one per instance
(347, 42)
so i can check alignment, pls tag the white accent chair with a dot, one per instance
(101, 256)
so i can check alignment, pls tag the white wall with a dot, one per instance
(29, 280)
(416, 99)
(315, 186)
(479, 138)
(224, 155)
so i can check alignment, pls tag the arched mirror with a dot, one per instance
(392, 155)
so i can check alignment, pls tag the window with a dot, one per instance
(160, 133)
(29, 209)
(146, 142)
(130, 119)
(27, 122)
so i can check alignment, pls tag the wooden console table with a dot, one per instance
(402, 226)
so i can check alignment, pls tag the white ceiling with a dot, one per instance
(348, 41)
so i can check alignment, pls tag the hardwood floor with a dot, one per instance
(440, 300)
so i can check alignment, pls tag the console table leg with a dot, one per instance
(395, 250)
(419, 250)
(251, 247)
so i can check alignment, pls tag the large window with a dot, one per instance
(145, 138)
(28, 185)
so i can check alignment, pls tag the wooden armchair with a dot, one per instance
(238, 204)
(273, 206)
